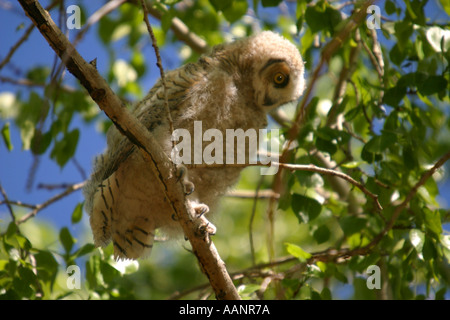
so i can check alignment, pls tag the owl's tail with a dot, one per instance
(132, 235)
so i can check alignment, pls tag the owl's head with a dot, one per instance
(278, 70)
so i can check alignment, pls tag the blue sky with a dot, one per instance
(15, 165)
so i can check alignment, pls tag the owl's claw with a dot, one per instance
(204, 226)
(183, 177)
(201, 209)
(207, 228)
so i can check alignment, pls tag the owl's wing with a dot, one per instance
(103, 190)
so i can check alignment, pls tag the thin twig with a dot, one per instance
(29, 83)
(250, 194)
(18, 203)
(160, 66)
(183, 33)
(7, 202)
(50, 201)
(252, 218)
(16, 46)
(398, 210)
(22, 39)
(302, 167)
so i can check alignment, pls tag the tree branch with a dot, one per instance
(183, 33)
(160, 66)
(302, 167)
(41, 206)
(398, 210)
(128, 125)
(8, 203)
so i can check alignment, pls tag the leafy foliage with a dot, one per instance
(378, 113)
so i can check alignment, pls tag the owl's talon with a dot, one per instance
(206, 228)
(211, 229)
(188, 187)
(183, 177)
(201, 209)
(181, 172)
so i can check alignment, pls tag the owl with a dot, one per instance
(232, 87)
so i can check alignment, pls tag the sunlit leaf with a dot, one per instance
(7, 137)
(66, 239)
(297, 252)
(77, 213)
(305, 208)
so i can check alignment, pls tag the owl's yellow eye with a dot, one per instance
(280, 79)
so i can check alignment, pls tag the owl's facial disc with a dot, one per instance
(276, 84)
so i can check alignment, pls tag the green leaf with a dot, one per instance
(21, 283)
(322, 234)
(297, 252)
(86, 249)
(40, 142)
(326, 294)
(396, 55)
(409, 158)
(322, 17)
(446, 5)
(47, 266)
(7, 137)
(105, 29)
(26, 134)
(108, 272)
(379, 144)
(439, 39)
(64, 149)
(18, 241)
(248, 289)
(138, 62)
(440, 294)
(39, 74)
(305, 208)
(389, 172)
(77, 213)
(429, 250)
(394, 96)
(352, 164)
(353, 113)
(433, 84)
(433, 221)
(93, 275)
(166, 20)
(390, 7)
(220, 5)
(417, 238)
(66, 239)
(325, 146)
(351, 224)
(270, 3)
(235, 11)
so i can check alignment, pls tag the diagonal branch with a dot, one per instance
(398, 210)
(301, 167)
(45, 204)
(128, 125)
(183, 33)
(160, 66)
(8, 203)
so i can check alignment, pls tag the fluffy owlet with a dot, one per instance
(233, 87)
